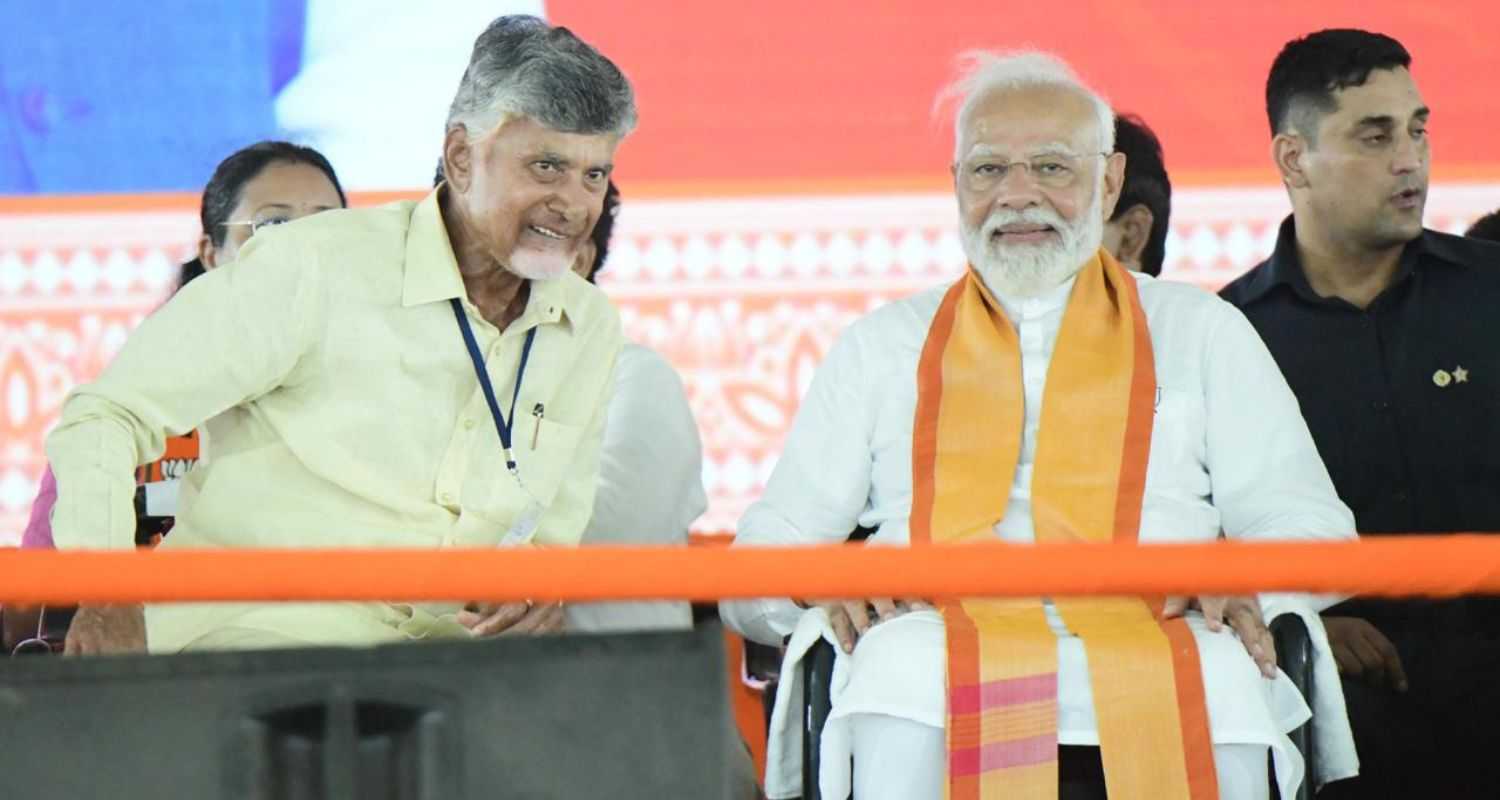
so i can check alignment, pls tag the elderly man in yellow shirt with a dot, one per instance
(422, 375)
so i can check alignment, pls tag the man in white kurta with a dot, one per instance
(650, 486)
(1229, 452)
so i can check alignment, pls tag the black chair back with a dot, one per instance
(817, 673)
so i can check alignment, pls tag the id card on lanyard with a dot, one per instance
(524, 528)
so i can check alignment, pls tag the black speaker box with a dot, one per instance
(623, 716)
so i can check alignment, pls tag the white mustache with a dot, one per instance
(1001, 217)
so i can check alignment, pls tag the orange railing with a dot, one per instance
(1389, 566)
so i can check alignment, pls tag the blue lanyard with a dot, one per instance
(501, 425)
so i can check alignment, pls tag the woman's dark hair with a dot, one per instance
(225, 188)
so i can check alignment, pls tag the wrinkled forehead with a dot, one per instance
(1017, 121)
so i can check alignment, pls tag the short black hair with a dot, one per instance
(604, 228)
(225, 187)
(1486, 227)
(1309, 70)
(1146, 184)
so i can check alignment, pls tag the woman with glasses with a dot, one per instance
(268, 183)
(265, 184)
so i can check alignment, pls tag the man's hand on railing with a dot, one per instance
(106, 630)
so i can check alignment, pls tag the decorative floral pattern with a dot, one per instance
(744, 296)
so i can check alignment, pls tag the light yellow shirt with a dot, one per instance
(338, 403)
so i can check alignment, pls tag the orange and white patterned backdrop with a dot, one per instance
(743, 296)
(787, 174)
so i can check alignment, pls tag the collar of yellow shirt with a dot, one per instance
(431, 272)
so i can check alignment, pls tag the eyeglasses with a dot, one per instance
(257, 224)
(1052, 170)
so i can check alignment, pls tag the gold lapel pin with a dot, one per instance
(1460, 375)
(1442, 378)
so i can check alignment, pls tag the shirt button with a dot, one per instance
(1400, 496)
(1381, 405)
(446, 498)
(468, 424)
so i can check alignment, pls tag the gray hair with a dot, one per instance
(523, 66)
(982, 72)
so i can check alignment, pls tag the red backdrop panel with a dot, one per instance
(782, 94)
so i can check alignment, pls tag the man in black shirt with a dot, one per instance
(1389, 334)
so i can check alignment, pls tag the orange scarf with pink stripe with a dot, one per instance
(1088, 484)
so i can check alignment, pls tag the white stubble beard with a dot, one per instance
(534, 265)
(1030, 270)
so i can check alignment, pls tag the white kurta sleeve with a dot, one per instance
(820, 484)
(1270, 483)
(1268, 479)
(650, 483)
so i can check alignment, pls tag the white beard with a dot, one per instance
(534, 265)
(1030, 270)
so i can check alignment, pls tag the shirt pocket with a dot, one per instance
(1179, 443)
(1455, 435)
(545, 455)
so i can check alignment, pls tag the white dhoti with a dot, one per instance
(891, 693)
(903, 760)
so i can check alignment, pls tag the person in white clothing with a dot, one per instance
(650, 488)
(1229, 451)
(650, 468)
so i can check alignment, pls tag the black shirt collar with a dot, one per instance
(1284, 267)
